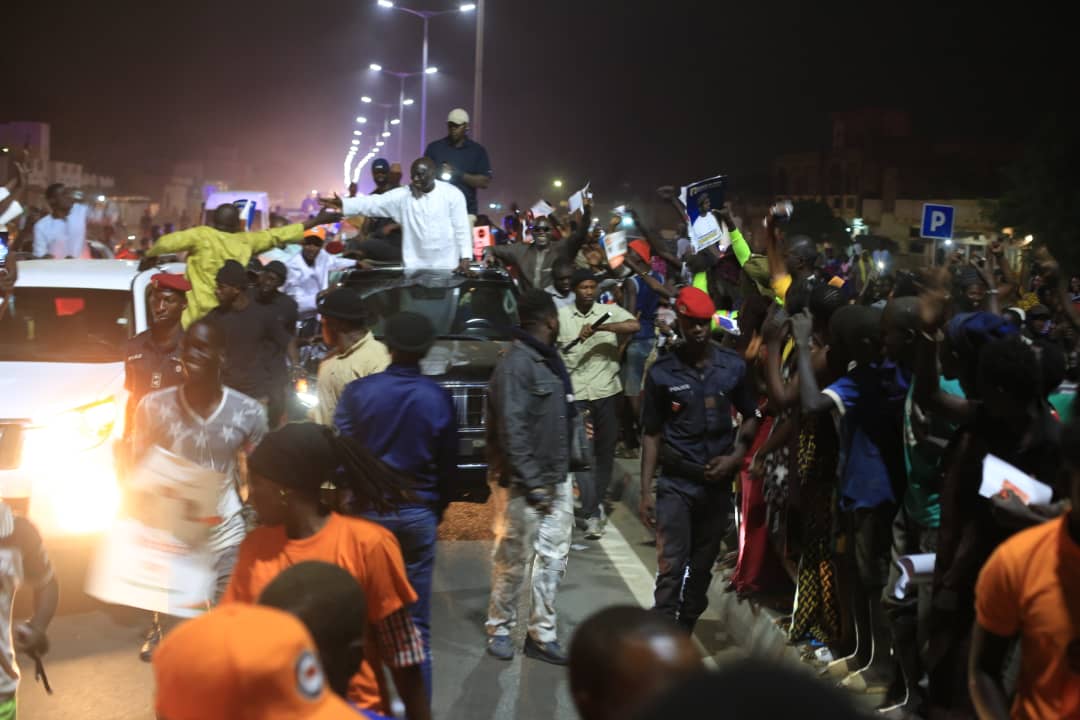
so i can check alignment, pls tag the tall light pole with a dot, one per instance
(402, 100)
(478, 73)
(426, 16)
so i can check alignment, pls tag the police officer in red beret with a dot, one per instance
(689, 434)
(153, 355)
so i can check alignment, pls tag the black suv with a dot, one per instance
(472, 317)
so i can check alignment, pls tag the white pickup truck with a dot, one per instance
(62, 348)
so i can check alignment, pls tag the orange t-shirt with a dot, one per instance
(368, 551)
(1025, 589)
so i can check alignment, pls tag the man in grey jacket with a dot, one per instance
(530, 406)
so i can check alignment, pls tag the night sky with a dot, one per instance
(665, 92)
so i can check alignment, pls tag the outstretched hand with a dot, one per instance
(934, 298)
(332, 203)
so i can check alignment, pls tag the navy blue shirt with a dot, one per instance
(647, 304)
(870, 401)
(470, 158)
(408, 421)
(691, 407)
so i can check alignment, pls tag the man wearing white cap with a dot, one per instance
(461, 161)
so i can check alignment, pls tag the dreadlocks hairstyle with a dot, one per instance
(304, 456)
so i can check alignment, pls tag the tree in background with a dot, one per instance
(1042, 189)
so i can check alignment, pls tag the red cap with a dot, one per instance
(694, 303)
(335, 247)
(168, 281)
(642, 249)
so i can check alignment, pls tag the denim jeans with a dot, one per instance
(416, 528)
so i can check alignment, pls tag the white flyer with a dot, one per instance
(914, 570)
(576, 202)
(999, 476)
(615, 244)
(541, 209)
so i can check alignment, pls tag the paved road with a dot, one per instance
(97, 675)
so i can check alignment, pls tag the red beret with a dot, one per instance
(694, 303)
(335, 247)
(168, 281)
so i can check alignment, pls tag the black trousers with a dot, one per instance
(593, 484)
(691, 519)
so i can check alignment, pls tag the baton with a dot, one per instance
(574, 343)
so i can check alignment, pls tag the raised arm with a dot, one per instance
(933, 301)
(813, 401)
(176, 242)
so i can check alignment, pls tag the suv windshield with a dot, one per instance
(459, 307)
(66, 325)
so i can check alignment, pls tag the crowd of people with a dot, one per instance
(823, 415)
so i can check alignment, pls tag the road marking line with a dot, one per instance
(636, 576)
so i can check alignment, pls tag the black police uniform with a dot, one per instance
(149, 367)
(690, 408)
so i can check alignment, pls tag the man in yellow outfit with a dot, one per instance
(209, 246)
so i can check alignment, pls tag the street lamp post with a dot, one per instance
(426, 16)
(402, 102)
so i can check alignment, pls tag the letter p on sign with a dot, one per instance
(937, 222)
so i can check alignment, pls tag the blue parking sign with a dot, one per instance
(937, 222)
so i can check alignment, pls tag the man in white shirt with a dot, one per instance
(62, 233)
(309, 273)
(435, 229)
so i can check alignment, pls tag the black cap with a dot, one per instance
(254, 266)
(278, 268)
(343, 304)
(409, 332)
(233, 274)
(581, 275)
(1038, 311)
(380, 164)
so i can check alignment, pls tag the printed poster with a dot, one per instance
(155, 557)
(700, 198)
(615, 244)
(482, 240)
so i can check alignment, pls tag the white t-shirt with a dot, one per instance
(22, 557)
(62, 238)
(238, 424)
(435, 229)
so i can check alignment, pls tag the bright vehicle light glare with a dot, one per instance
(395, 121)
(432, 70)
(468, 7)
(82, 428)
(376, 67)
(365, 99)
(386, 4)
(407, 101)
(361, 119)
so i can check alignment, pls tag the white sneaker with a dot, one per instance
(594, 528)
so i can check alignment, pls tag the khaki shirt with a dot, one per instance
(593, 364)
(366, 356)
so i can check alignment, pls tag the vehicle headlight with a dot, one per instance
(304, 393)
(83, 428)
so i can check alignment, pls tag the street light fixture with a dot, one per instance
(431, 70)
(365, 99)
(376, 67)
(357, 132)
(407, 101)
(395, 121)
(557, 183)
(361, 119)
(467, 7)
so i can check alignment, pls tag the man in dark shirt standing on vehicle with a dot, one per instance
(461, 161)
(687, 432)
(247, 327)
(381, 235)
